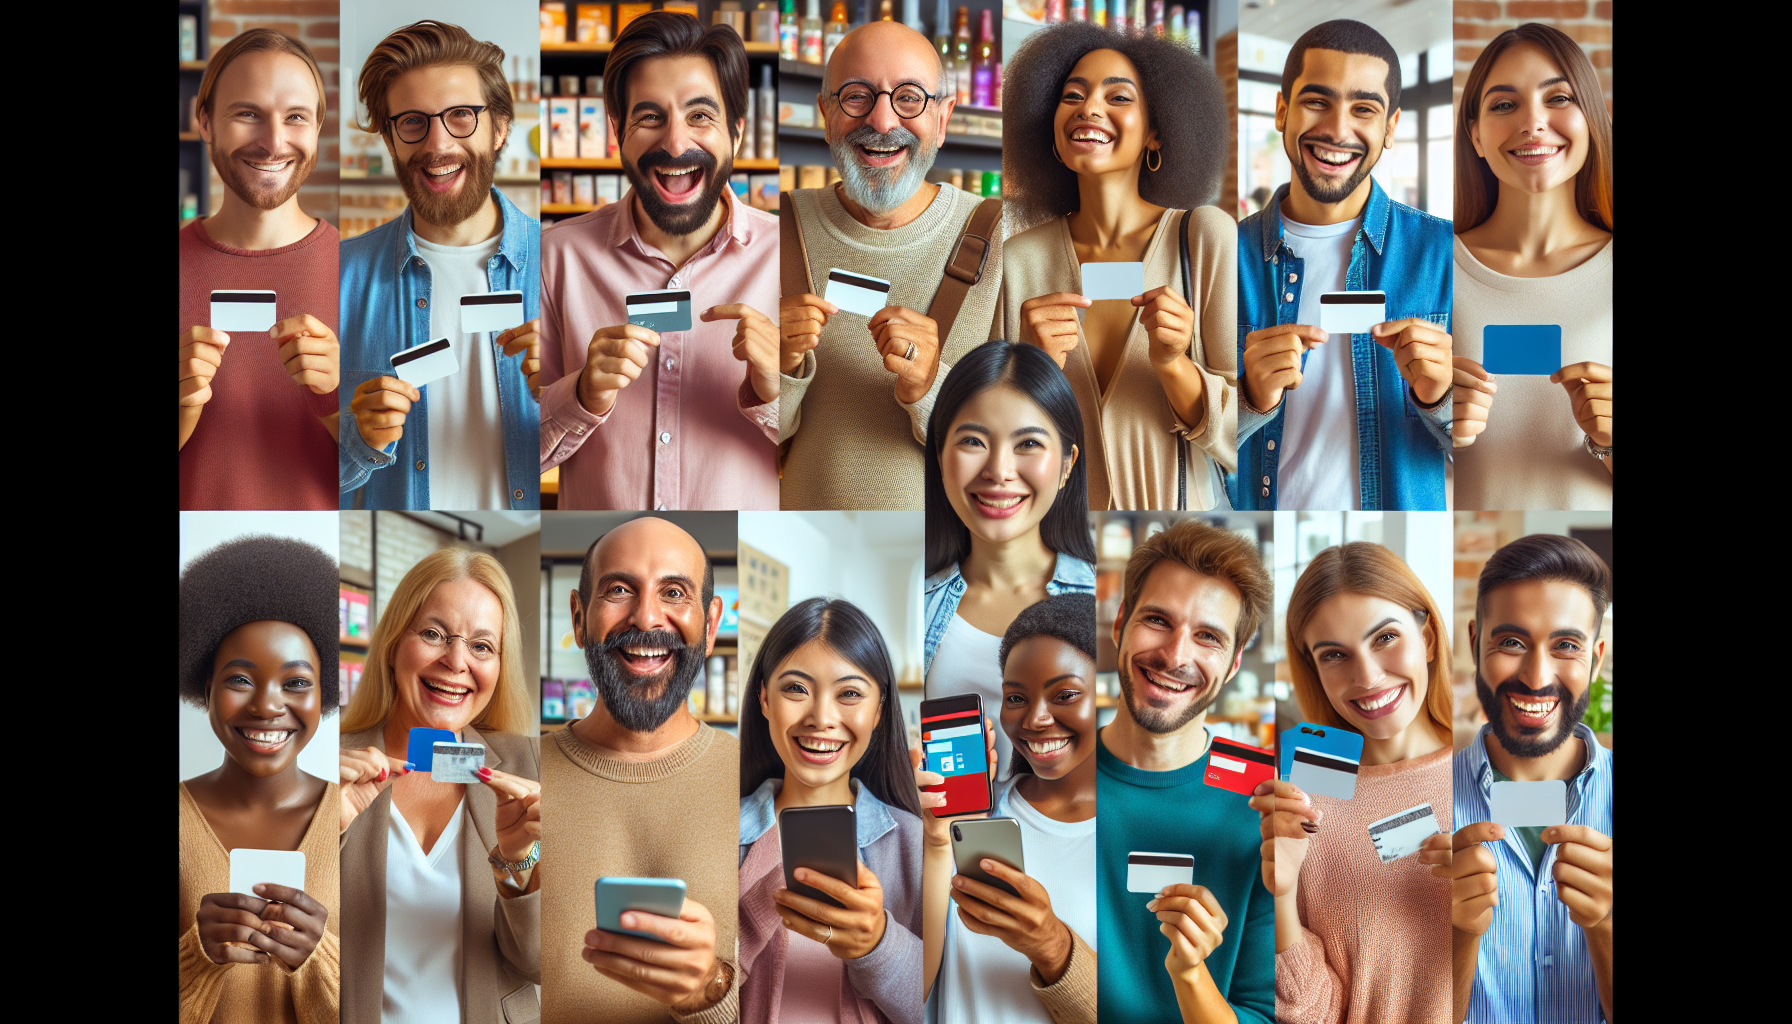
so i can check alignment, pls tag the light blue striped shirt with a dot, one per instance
(1534, 967)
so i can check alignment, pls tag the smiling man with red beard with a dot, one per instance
(439, 100)
(1192, 598)
(257, 427)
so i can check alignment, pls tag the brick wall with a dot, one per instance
(1225, 64)
(402, 543)
(314, 23)
(1588, 22)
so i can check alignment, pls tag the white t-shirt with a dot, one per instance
(466, 429)
(968, 661)
(1319, 470)
(983, 979)
(422, 925)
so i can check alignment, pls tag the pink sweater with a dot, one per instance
(765, 945)
(1375, 938)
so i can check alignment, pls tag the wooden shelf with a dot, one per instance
(192, 65)
(565, 209)
(947, 140)
(615, 164)
(348, 177)
(753, 49)
(360, 645)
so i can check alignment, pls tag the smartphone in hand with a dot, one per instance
(662, 896)
(978, 839)
(822, 838)
(955, 738)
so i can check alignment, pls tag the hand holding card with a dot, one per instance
(1238, 766)
(456, 762)
(857, 293)
(420, 364)
(616, 358)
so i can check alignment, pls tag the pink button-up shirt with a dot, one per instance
(689, 433)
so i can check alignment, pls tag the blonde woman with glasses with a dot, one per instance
(447, 870)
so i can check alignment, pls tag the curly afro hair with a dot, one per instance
(1184, 102)
(255, 579)
(1068, 617)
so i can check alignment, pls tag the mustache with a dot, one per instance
(1514, 688)
(641, 638)
(1351, 145)
(897, 137)
(693, 157)
(262, 156)
(1188, 676)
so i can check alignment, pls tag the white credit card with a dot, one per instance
(663, 311)
(857, 293)
(1525, 804)
(1151, 872)
(1399, 835)
(420, 364)
(1113, 281)
(249, 868)
(456, 762)
(1324, 774)
(491, 312)
(243, 311)
(1351, 312)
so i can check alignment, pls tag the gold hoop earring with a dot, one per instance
(1055, 150)
(1160, 159)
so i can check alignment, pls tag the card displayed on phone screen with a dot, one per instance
(954, 742)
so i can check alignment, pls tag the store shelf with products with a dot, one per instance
(195, 166)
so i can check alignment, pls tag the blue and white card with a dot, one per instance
(1529, 804)
(1522, 348)
(491, 312)
(661, 312)
(1119, 281)
(1327, 739)
(420, 749)
(857, 293)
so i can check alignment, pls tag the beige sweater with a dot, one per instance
(269, 993)
(677, 817)
(1130, 429)
(852, 444)
(1532, 454)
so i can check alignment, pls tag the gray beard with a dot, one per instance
(624, 695)
(879, 190)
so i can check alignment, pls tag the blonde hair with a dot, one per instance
(254, 41)
(508, 710)
(1361, 567)
(432, 44)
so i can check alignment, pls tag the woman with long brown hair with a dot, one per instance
(1360, 941)
(1534, 247)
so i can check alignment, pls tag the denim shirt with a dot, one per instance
(1401, 448)
(384, 310)
(944, 588)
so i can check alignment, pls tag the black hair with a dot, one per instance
(1069, 618)
(851, 634)
(671, 34)
(585, 581)
(1547, 556)
(257, 579)
(1027, 369)
(1344, 36)
(1184, 103)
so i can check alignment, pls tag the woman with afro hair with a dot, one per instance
(258, 633)
(1112, 148)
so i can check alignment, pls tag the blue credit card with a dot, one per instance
(1326, 739)
(1522, 348)
(421, 751)
(660, 312)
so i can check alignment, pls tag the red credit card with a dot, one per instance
(1238, 766)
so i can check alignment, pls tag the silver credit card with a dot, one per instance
(1399, 835)
(661, 312)
(857, 293)
(1529, 804)
(1151, 872)
(491, 312)
(456, 762)
(420, 364)
(1351, 312)
(243, 311)
(1324, 774)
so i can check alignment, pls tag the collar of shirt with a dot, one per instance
(513, 238)
(624, 232)
(871, 816)
(1598, 763)
(1070, 573)
(1376, 214)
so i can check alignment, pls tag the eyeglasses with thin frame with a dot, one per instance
(857, 99)
(478, 648)
(412, 126)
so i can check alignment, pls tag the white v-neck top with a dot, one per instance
(422, 925)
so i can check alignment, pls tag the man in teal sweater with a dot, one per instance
(1192, 598)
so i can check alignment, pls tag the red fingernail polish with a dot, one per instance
(485, 773)
(382, 777)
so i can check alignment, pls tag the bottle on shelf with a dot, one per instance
(983, 68)
(530, 85)
(911, 15)
(836, 31)
(961, 54)
(942, 34)
(1193, 20)
(1054, 11)
(1076, 10)
(886, 11)
(1098, 12)
(789, 31)
(1117, 16)
(1136, 23)
(810, 46)
(1174, 24)
(1157, 18)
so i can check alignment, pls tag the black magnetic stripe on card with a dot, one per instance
(1246, 753)
(857, 281)
(1405, 819)
(243, 296)
(1169, 862)
(492, 300)
(1352, 298)
(418, 353)
(646, 297)
(1323, 761)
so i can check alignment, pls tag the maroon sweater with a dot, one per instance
(259, 443)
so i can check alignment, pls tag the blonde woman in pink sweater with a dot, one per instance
(1359, 941)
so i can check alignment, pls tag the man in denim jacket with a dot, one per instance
(439, 100)
(1371, 425)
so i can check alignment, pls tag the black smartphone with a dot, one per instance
(956, 742)
(822, 838)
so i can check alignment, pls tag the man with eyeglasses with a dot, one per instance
(439, 100)
(856, 391)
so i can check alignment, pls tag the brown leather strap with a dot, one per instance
(793, 255)
(966, 266)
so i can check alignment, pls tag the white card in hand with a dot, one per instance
(491, 312)
(1399, 835)
(1151, 872)
(243, 311)
(1351, 312)
(249, 868)
(857, 293)
(420, 364)
(1113, 281)
(456, 762)
(1522, 804)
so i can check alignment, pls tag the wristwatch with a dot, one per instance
(1597, 451)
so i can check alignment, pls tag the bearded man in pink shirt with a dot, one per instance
(643, 419)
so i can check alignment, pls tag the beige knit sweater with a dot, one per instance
(1375, 938)
(269, 993)
(852, 444)
(1130, 430)
(677, 817)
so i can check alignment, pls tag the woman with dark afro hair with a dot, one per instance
(1112, 147)
(258, 633)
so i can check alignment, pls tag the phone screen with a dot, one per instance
(953, 737)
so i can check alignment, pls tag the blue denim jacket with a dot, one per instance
(384, 287)
(944, 588)
(1401, 448)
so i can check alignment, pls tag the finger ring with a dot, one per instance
(829, 937)
(911, 351)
